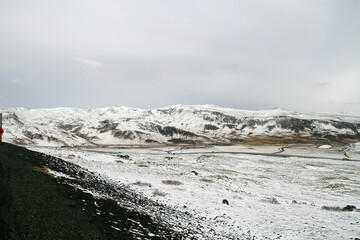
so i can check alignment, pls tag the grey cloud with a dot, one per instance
(297, 55)
(322, 84)
(351, 103)
(88, 62)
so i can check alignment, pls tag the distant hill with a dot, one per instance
(179, 124)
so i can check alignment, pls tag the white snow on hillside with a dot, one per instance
(173, 124)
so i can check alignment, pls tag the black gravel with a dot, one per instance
(35, 205)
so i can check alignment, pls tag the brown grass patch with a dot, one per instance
(157, 192)
(295, 138)
(172, 182)
(206, 180)
(44, 170)
(331, 208)
(143, 165)
(142, 184)
(347, 208)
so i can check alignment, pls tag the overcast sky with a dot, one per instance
(297, 55)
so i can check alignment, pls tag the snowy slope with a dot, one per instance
(269, 197)
(171, 125)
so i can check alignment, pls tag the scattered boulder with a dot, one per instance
(347, 208)
(274, 201)
(271, 200)
(225, 202)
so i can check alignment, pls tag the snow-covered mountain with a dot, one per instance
(173, 125)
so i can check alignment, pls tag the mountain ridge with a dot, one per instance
(176, 124)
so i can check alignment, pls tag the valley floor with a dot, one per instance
(233, 192)
(264, 192)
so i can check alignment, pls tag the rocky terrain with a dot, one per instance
(204, 124)
(43, 197)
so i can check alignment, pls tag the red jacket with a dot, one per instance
(1, 130)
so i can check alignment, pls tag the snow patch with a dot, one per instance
(325, 146)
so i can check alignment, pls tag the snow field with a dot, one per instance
(273, 198)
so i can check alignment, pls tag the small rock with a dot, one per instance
(349, 208)
(274, 201)
(127, 157)
(271, 200)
